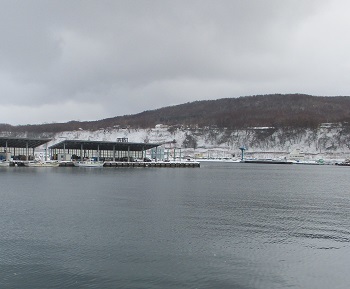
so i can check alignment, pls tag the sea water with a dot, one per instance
(224, 225)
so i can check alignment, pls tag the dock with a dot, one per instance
(153, 164)
(111, 164)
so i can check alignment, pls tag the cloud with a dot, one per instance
(46, 113)
(112, 57)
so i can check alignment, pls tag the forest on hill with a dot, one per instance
(276, 110)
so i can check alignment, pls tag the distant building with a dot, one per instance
(157, 153)
(161, 126)
(297, 155)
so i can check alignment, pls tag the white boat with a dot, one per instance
(89, 163)
(42, 164)
(344, 163)
(4, 163)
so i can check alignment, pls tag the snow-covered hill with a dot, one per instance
(329, 142)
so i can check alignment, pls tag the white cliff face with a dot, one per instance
(327, 142)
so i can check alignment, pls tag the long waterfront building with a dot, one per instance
(23, 149)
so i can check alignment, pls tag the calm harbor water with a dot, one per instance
(224, 225)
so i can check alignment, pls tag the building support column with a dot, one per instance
(45, 158)
(26, 150)
(64, 151)
(6, 158)
(98, 153)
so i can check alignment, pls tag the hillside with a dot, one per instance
(278, 111)
(268, 126)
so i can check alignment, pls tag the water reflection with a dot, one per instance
(220, 226)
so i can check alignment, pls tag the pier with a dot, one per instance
(153, 164)
(111, 164)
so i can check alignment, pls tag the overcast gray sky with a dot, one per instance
(87, 60)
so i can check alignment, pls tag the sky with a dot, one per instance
(93, 59)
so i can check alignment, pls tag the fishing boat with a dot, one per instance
(89, 163)
(4, 163)
(42, 164)
(344, 163)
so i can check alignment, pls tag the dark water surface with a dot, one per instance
(218, 226)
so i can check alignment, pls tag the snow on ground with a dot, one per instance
(325, 143)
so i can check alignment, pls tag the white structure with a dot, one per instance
(64, 157)
(297, 155)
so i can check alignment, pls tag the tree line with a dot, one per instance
(274, 110)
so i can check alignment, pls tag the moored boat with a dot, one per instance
(89, 163)
(42, 164)
(344, 163)
(4, 163)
